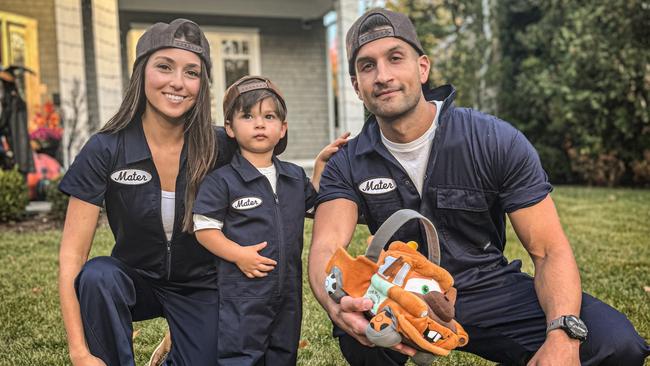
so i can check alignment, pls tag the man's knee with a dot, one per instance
(612, 339)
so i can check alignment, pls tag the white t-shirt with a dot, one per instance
(202, 222)
(414, 155)
(167, 208)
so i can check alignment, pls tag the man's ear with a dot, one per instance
(424, 65)
(355, 85)
(229, 131)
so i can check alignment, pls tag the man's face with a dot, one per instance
(389, 77)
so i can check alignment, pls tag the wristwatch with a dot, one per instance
(571, 324)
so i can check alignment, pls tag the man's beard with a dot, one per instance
(393, 110)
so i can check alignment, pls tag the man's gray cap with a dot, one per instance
(161, 35)
(400, 27)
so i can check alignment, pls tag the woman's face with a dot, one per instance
(171, 82)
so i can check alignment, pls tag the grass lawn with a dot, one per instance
(609, 230)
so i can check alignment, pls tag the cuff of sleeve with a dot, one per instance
(202, 222)
(335, 195)
(523, 199)
(94, 200)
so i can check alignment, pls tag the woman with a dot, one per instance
(145, 166)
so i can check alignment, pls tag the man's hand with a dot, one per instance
(348, 315)
(558, 349)
(252, 264)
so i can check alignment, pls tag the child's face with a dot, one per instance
(259, 130)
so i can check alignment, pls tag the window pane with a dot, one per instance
(235, 69)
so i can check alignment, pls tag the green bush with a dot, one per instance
(13, 195)
(59, 200)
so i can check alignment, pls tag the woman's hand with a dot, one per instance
(324, 156)
(252, 264)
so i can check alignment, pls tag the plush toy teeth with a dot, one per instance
(432, 336)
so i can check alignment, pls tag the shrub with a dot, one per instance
(59, 200)
(13, 195)
(604, 169)
(641, 169)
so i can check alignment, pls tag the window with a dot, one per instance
(19, 47)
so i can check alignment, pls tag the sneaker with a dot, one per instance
(159, 355)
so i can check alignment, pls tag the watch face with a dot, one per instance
(576, 326)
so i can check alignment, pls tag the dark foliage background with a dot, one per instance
(574, 76)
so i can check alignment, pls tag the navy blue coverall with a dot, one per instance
(479, 169)
(146, 275)
(259, 318)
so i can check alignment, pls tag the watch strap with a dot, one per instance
(555, 324)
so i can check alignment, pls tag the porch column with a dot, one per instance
(350, 108)
(72, 76)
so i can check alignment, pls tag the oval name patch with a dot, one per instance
(131, 177)
(377, 185)
(246, 203)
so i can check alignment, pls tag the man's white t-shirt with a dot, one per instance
(414, 155)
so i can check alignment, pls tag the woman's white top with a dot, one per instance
(167, 208)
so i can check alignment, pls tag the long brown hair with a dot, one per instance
(199, 132)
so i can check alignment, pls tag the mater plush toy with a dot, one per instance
(413, 297)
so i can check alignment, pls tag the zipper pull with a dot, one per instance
(277, 201)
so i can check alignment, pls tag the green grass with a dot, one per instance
(608, 228)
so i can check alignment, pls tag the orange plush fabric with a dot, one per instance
(412, 296)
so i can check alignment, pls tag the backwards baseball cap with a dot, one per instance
(398, 26)
(163, 35)
(248, 84)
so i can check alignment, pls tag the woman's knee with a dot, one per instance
(100, 275)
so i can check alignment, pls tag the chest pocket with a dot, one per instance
(465, 219)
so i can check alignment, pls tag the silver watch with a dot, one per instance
(571, 324)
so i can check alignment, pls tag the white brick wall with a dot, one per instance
(296, 63)
(72, 77)
(108, 63)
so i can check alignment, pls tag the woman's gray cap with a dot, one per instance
(400, 27)
(161, 35)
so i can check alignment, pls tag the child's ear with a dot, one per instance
(229, 131)
(284, 129)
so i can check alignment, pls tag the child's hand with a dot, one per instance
(252, 264)
(329, 150)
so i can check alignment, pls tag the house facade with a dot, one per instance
(82, 52)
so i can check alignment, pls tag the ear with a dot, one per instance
(355, 85)
(284, 129)
(229, 131)
(424, 66)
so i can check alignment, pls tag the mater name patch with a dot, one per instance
(377, 185)
(132, 177)
(246, 203)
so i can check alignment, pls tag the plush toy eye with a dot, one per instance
(422, 285)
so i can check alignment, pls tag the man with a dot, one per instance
(464, 170)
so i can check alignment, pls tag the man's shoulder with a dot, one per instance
(482, 125)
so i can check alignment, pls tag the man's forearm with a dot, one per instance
(557, 283)
(334, 223)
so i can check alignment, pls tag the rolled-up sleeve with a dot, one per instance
(87, 177)
(336, 180)
(523, 180)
